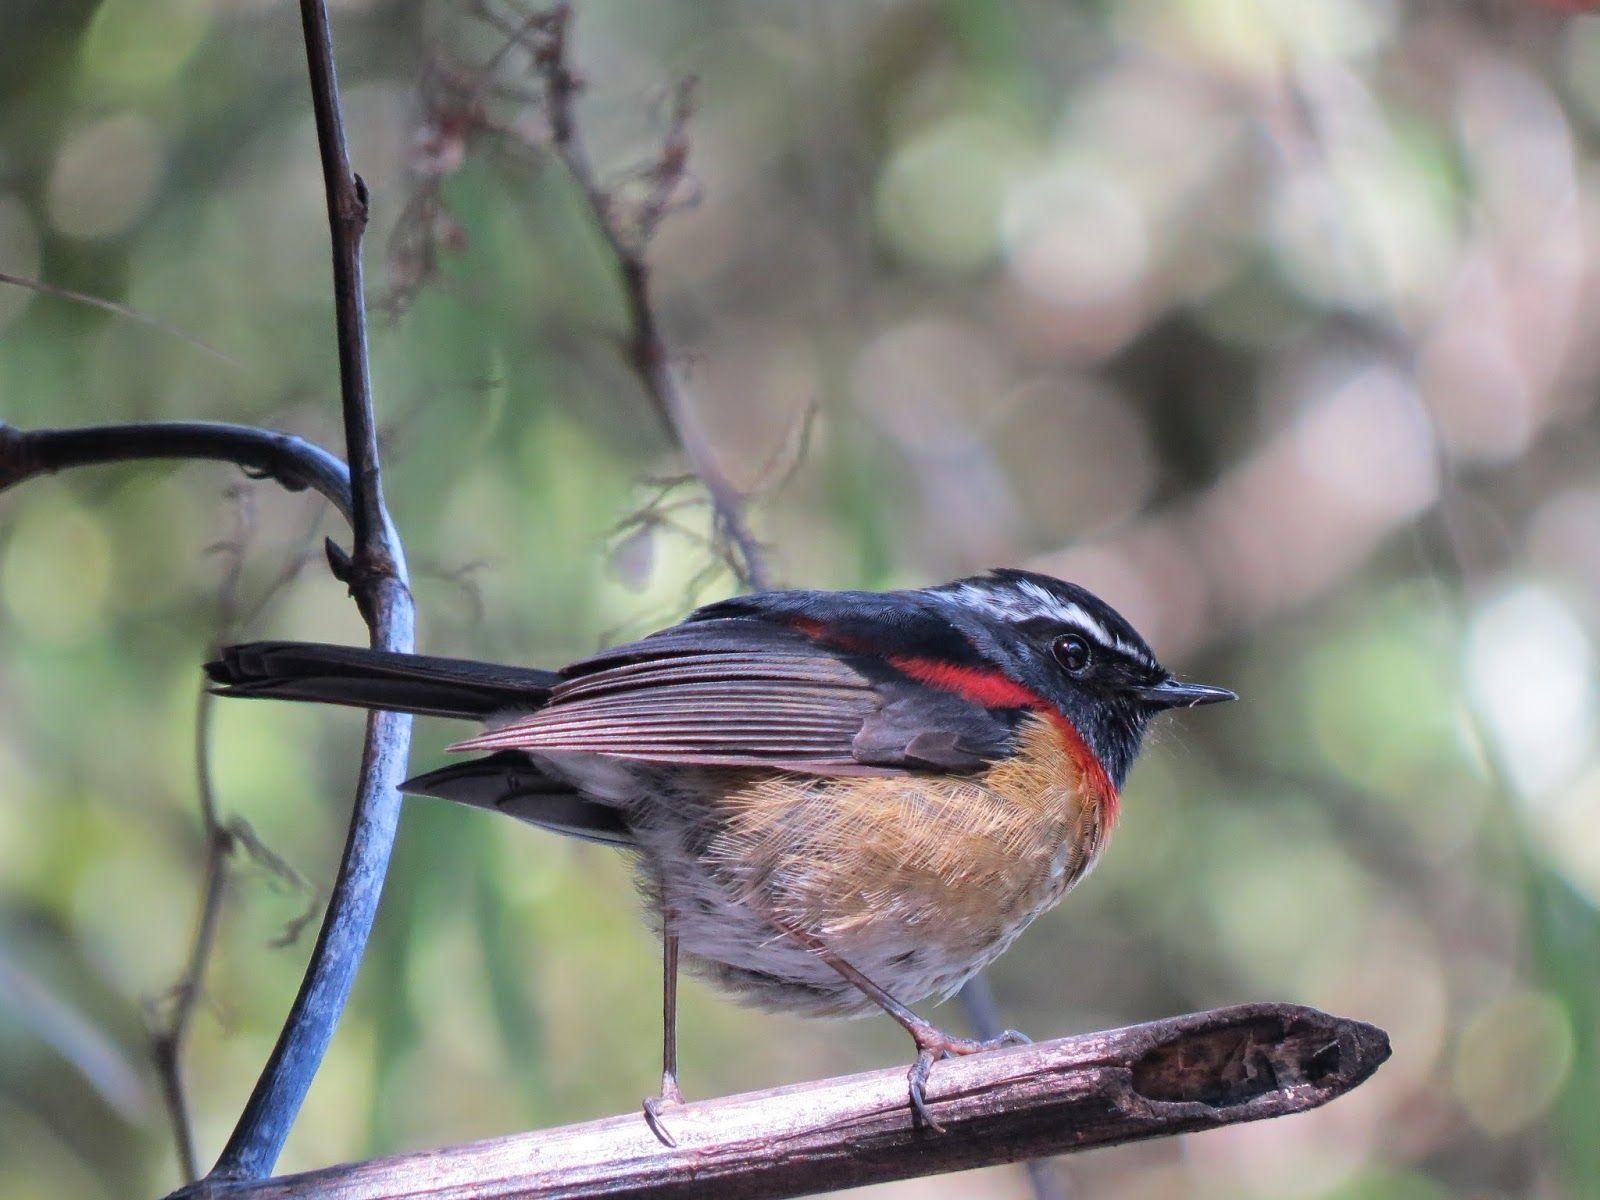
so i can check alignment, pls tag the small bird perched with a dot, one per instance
(836, 800)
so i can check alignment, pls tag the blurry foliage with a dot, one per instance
(1205, 304)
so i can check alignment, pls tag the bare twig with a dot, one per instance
(1173, 1076)
(647, 353)
(458, 112)
(167, 1042)
(120, 310)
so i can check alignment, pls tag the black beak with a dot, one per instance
(1169, 693)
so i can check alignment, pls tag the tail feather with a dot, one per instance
(362, 678)
(511, 783)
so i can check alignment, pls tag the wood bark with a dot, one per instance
(1177, 1075)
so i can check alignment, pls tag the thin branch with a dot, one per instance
(221, 840)
(167, 1042)
(1177, 1075)
(294, 463)
(458, 113)
(375, 573)
(120, 310)
(647, 351)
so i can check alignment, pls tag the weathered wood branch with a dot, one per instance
(1178, 1075)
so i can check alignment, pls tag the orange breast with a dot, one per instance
(959, 864)
(992, 689)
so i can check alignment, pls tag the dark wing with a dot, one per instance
(744, 692)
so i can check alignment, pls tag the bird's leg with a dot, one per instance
(932, 1042)
(670, 1092)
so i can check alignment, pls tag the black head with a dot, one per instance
(1068, 646)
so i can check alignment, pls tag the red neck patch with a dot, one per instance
(991, 689)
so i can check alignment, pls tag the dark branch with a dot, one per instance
(376, 576)
(1178, 1075)
(296, 464)
(293, 462)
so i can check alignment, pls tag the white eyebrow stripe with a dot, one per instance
(1072, 614)
(1027, 599)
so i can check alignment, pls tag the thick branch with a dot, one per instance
(1177, 1075)
(376, 576)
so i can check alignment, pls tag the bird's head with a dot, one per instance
(1075, 652)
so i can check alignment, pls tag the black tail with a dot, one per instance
(415, 683)
(510, 783)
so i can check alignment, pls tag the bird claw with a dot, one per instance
(671, 1096)
(917, 1083)
(932, 1045)
(652, 1117)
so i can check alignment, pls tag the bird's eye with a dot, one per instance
(1072, 652)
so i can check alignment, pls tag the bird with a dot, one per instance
(837, 801)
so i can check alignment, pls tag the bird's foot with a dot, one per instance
(671, 1096)
(934, 1044)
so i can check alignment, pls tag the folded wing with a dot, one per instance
(744, 692)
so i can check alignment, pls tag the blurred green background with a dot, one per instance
(1270, 320)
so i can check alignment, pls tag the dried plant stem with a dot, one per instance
(646, 348)
(221, 840)
(169, 1039)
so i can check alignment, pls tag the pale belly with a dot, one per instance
(916, 881)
